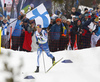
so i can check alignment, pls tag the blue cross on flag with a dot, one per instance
(40, 15)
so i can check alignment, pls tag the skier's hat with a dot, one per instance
(38, 26)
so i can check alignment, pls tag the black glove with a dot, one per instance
(40, 33)
(37, 43)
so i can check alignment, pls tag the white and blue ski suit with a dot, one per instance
(43, 44)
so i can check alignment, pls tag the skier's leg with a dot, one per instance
(47, 51)
(38, 56)
(39, 51)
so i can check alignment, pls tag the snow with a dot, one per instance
(85, 66)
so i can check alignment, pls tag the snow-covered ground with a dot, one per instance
(17, 65)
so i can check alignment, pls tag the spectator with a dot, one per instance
(98, 12)
(79, 34)
(25, 26)
(64, 37)
(87, 36)
(86, 11)
(95, 35)
(5, 32)
(16, 36)
(28, 37)
(85, 18)
(55, 35)
(74, 12)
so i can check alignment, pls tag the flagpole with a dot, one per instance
(10, 36)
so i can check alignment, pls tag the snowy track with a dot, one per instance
(85, 66)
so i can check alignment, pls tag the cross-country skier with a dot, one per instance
(41, 40)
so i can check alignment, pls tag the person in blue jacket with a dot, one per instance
(41, 40)
(55, 34)
(16, 34)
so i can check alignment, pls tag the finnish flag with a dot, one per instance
(40, 15)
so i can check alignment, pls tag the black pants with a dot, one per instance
(54, 45)
(22, 41)
(72, 40)
(63, 43)
(15, 42)
(86, 40)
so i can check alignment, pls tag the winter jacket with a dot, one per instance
(25, 27)
(18, 29)
(55, 32)
(75, 13)
(76, 29)
(97, 13)
(41, 38)
(97, 31)
(84, 20)
(85, 25)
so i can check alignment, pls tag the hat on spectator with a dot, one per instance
(22, 11)
(1, 15)
(96, 21)
(25, 20)
(32, 5)
(63, 18)
(38, 26)
(86, 15)
(58, 20)
(85, 9)
(69, 20)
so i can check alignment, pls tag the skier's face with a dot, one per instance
(39, 29)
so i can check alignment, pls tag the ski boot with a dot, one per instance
(53, 60)
(37, 70)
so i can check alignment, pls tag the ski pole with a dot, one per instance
(43, 62)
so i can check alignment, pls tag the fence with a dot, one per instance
(56, 41)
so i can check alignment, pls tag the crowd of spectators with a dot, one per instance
(83, 28)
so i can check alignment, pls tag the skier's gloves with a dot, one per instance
(40, 33)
